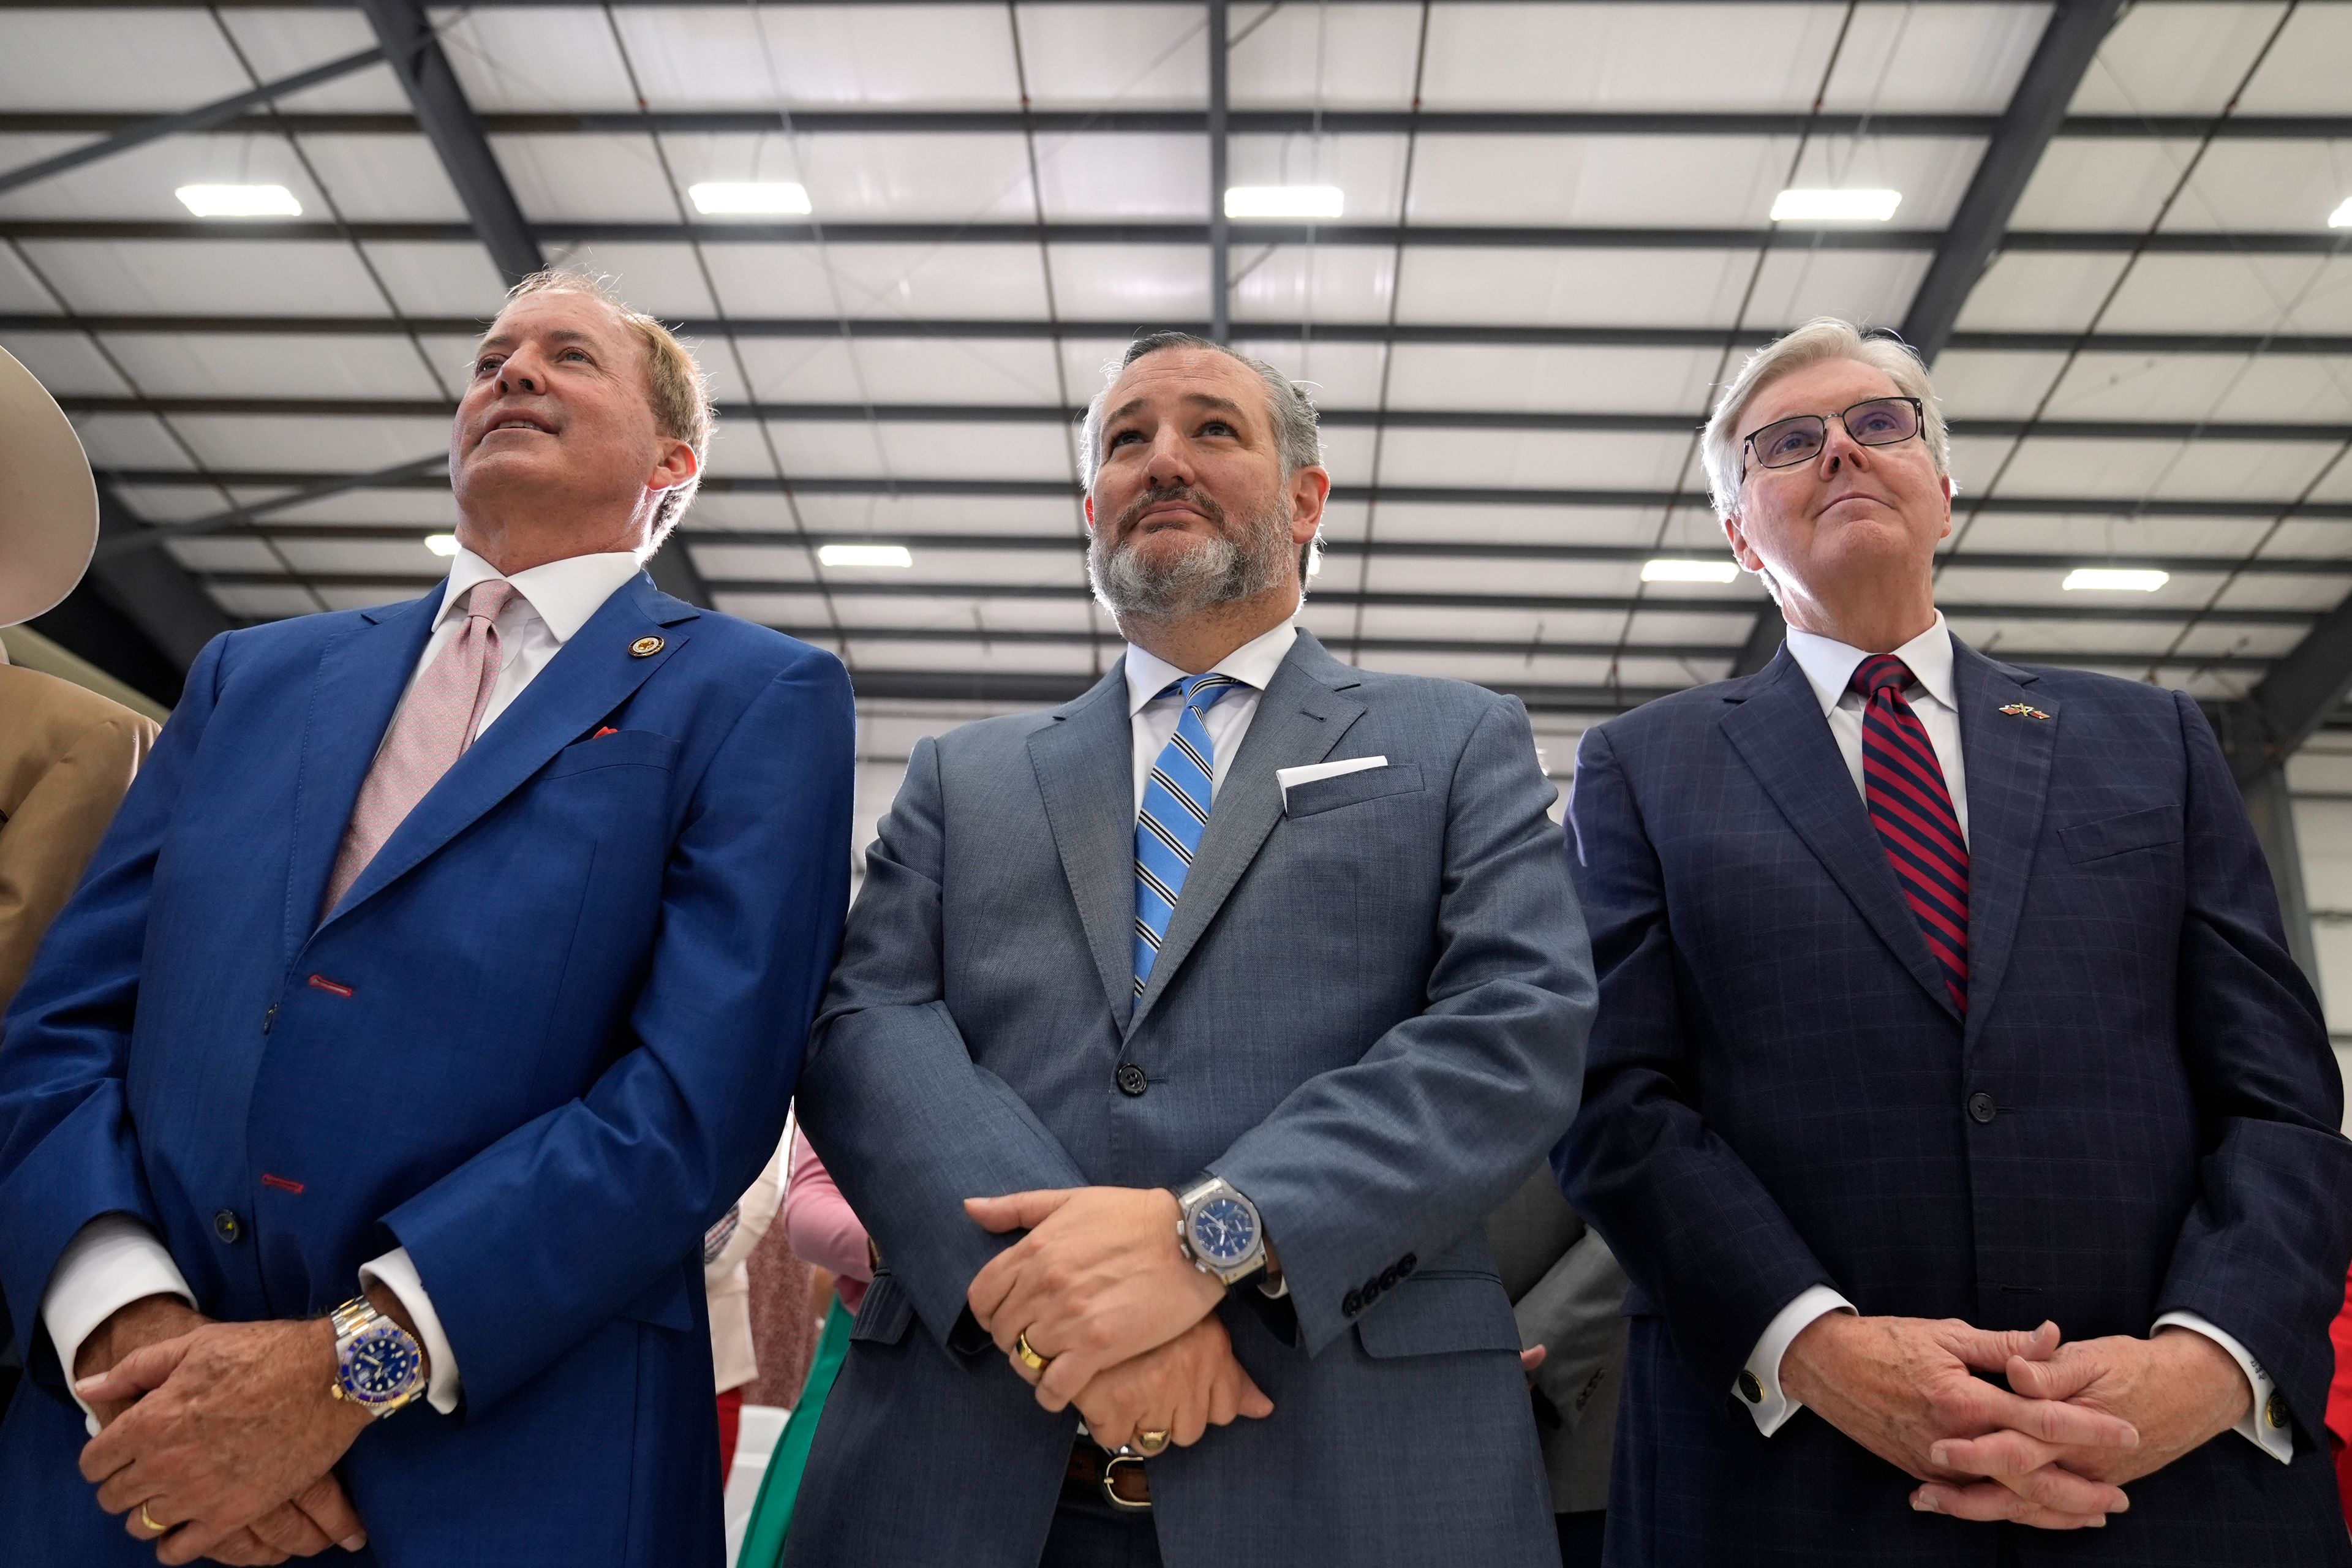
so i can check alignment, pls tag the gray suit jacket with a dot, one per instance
(1368, 1014)
(1569, 1296)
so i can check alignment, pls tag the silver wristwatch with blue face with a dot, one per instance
(378, 1366)
(1219, 1231)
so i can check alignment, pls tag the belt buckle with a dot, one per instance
(1109, 1473)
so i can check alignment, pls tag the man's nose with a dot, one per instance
(1171, 464)
(517, 373)
(1839, 447)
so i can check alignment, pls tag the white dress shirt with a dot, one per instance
(1153, 718)
(1828, 668)
(115, 1259)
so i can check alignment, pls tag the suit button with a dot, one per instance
(1351, 1304)
(1131, 1079)
(1406, 1264)
(1981, 1106)
(1750, 1389)
(226, 1225)
(1388, 1278)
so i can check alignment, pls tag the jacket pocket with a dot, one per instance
(2144, 829)
(1435, 1314)
(885, 1313)
(620, 748)
(1348, 789)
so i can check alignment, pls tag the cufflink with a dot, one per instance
(2274, 1412)
(1750, 1389)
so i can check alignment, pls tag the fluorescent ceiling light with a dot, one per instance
(2342, 217)
(1285, 201)
(1666, 569)
(864, 556)
(2115, 579)
(441, 543)
(767, 198)
(239, 201)
(1835, 207)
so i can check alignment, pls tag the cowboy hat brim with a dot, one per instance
(49, 501)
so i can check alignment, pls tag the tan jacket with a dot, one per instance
(67, 755)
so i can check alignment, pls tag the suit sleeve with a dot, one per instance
(1576, 1312)
(907, 1123)
(68, 1153)
(559, 1226)
(1403, 1150)
(56, 829)
(2263, 1250)
(1697, 1231)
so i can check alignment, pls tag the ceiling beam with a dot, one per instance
(2070, 41)
(420, 477)
(1386, 237)
(153, 592)
(1434, 334)
(814, 121)
(1547, 421)
(1220, 268)
(2302, 690)
(1562, 603)
(136, 132)
(449, 122)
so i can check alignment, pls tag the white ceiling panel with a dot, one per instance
(1131, 55)
(386, 179)
(437, 277)
(911, 451)
(1335, 375)
(1584, 380)
(391, 558)
(2235, 294)
(2030, 291)
(180, 503)
(2183, 59)
(764, 57)
(226, 552)
(1328, 56)
(981, 612)
(2289, 387)
(1509, 459)
(139, 181)
(887, 517)
(286, 278)
(1627, 57)
(129, 441)
(2103, 183)
(1318, 283)
(1579, 288)
(429, 511)
(1973, 384)
(871, 178)
(2157, 469)
(141, 61)
(64, 362)
(302, 442)
(2120, 539)
(609, 178)
(905, 281)
(267, 603)
(527, 59)
(279, 365)
(1955, 58)
(1517, 524)
(900, 370)
(2278, 185)
(661, 279)
(1459, 574)
(1145, 284)
(2305, 72)
(1099, 176)
(1368, 170)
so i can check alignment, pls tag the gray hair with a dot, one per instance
(1294, 433)
(1818, 341)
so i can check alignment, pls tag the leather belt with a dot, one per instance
(1119, 1476)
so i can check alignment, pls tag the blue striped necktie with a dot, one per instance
(1903, 785)
(1175, 815)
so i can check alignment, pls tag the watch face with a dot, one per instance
(1224, 1230)
(380, 1365)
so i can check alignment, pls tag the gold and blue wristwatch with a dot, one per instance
(378, 1366)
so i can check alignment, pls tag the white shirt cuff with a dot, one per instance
(2266, 1426)
(111, 1262)
(397, 1274)
(1758, 1386)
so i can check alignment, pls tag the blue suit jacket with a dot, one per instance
(1367, 1015)
(547, 1037)
(1778, 1095)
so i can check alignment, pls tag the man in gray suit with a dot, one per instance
(1245, 985)
(1569, 1296)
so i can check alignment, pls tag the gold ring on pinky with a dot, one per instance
(1151, 1443)
(149, 1521)
(1029, 1358)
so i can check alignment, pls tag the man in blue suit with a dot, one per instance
(1245, 984)
(445, 975)
(1945, 1010)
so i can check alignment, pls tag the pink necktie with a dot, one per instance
(429, 733)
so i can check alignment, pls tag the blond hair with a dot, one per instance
(675, 388)
(1818, 341)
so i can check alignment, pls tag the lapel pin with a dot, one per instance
(644, 647)
(2020, 711)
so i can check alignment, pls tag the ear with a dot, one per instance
(1950, 489)
(1741, 550)
(674, 465)
(1086, 503)
(1310, 492)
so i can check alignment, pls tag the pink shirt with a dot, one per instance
(821, 1227)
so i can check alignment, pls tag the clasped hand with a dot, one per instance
(223, 1432)
(1126, 1324)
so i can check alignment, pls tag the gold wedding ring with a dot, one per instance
(149, 1521)
(1151, 1443)
(1029, 1358)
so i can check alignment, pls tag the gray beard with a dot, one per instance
(1220, 571)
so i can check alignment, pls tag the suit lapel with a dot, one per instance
(361, 676)
(2005, 759)
(1300, 720)
(1085, 771)
(1779, 730)
(591, 676)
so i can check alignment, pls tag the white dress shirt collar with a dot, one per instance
(1253, 664)
(564, 594)
(1829, 665)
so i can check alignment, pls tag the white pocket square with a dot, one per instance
(1289, 777)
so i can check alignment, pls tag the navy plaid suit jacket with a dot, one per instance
(1777, 1085)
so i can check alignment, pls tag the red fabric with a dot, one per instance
(730, 1427)
(2339, 1401)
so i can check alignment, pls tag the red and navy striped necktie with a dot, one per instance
(1903, 785)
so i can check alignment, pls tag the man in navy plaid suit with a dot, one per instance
(1951, 1079)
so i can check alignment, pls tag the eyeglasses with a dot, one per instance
(1872, 422)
